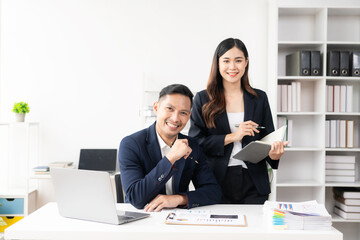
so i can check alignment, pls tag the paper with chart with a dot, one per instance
(206, 218)
(257, 150)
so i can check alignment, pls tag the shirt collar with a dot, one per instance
(161, 141)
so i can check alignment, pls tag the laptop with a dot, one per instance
(98, 159)
(88, 195)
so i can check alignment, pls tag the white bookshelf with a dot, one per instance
(19, 152)
(316, 26)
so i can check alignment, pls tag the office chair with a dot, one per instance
(119, 189)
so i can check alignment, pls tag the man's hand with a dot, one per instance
(162, 201)
(179, 149)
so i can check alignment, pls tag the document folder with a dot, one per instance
(256, 151)
(333, 63)
(298, 64)
(315, 63)
(355, 64)
(344, 63)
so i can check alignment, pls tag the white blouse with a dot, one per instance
(235, 119)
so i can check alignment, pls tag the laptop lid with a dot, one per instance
(87, 195)
(98, 159)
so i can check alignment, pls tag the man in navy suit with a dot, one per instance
(158, 163)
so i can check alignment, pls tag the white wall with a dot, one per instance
(80, 64)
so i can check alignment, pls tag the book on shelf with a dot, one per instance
(330, 98)
(339, 133)
(284, 121)
(347, 215)
(41, 169)
(297, 215)
(60, 164)
(289, 97)
(347, 192)
(339, 178)
(256, 151)
(339, 98)
(339, 159)
(347, 208)
(348, 166)
(340, 172)
(347, 201)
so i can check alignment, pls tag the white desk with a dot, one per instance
(46, 223)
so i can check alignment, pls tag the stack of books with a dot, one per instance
(347, 202)
(41, 170)
(339, 168)
(298, 215)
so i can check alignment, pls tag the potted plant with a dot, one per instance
(20, 109)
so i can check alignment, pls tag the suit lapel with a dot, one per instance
(249, 106)
(223, 122)
(153, 147)
(179, 166)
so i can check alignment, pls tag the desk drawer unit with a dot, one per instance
(7, 222)
(12, 206)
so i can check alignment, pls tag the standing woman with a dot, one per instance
(225, 118)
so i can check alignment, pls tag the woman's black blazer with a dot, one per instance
(211, 140)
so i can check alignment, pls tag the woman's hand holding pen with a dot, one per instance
(244, 129)
(277, 150)
(179, 149)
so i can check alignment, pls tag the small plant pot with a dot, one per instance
(20, 117)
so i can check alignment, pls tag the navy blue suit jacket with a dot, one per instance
(144, 172)
(256, 109)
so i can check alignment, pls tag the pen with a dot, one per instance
(257, 127)
(194, 160)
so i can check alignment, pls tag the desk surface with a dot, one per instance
(46, 223)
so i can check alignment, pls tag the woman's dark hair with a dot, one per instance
(177, 89)
(215, 88)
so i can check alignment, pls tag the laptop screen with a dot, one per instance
(98, 159)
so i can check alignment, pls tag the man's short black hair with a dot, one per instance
(176, 89)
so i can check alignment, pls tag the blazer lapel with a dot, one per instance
(153, 145)
(223, 122)
(178, 167)
(249, 106)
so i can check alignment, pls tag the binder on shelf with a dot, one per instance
(333, 63)
(344, 63)
(298, 63)
(355, 64)
(315, 63)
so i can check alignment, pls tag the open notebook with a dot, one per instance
(257, 150)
